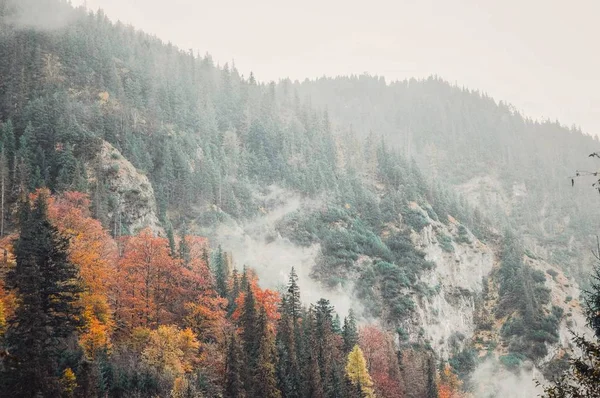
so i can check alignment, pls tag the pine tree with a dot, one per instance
(250, 337)
(265, 381)
(432, 390)
(171, 238)
(220, 270)
(592, 297)
(67, 169)
(233, 369)
(184, 250)
(288, 370)
(48, 288)
(234, 292)
(350, 332)
(293, 293)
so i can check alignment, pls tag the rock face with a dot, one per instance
(461, 263)
(133, 206)
(448, 318)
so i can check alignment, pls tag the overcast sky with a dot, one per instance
(541, 55)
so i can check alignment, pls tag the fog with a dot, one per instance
(259, 246)
(538, 55)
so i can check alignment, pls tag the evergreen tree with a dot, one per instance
(293, 293)
(47, 315)
(265, 381)
(220, 270)
(171, 238)
(234, 292)
(184, 250)
(288, 370)
(432, 390)
(350, 332)
(251, 338)
(233, 369)
(67, 167)
(592, 297)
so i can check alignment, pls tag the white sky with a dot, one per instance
(543, 56)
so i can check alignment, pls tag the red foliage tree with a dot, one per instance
(382, 363)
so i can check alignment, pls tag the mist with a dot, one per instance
(257, 244)
(38, 14)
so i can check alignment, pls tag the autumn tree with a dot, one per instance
(94, 252)
(147, 281)
(382, 362)
(171, 351)
(449, 385)
(357, 372)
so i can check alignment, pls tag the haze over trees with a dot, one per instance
(102, 128)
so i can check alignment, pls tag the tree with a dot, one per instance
(94, 252)
(148, 278)
(350, 332)
(382, 361)
(582, 378)
(171, 351)
(448, 384)
(48, 288)
(265, 382)
(221, 272)
(233, 369)
(357, 373)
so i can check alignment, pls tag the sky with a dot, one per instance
(540, 55)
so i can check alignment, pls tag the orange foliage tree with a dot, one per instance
(382, 363)
(93, 250)
(265, 298)
(449, 385)
(147, 281)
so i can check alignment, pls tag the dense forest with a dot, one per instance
(97, 302)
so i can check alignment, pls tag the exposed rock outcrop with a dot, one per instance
(133, 205)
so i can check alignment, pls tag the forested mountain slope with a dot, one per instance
(501, 161)
(164, 138)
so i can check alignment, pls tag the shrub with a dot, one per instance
(463, 235)
(552, 273)
(511, 361)
(415, 219)
(446, 243)
(529, 254)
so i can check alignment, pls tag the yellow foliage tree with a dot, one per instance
(68, 382)
(2, 319)
(170, 350)
(356, 370)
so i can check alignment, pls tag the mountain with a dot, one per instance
(442, 216)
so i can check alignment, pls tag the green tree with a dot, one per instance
(350, 332)
(47, 287)
(233, 369)
(221, 273)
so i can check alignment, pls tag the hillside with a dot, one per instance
(516, 170)
(355, 182)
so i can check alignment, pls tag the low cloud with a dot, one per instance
(258, 245)
(492, 380)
